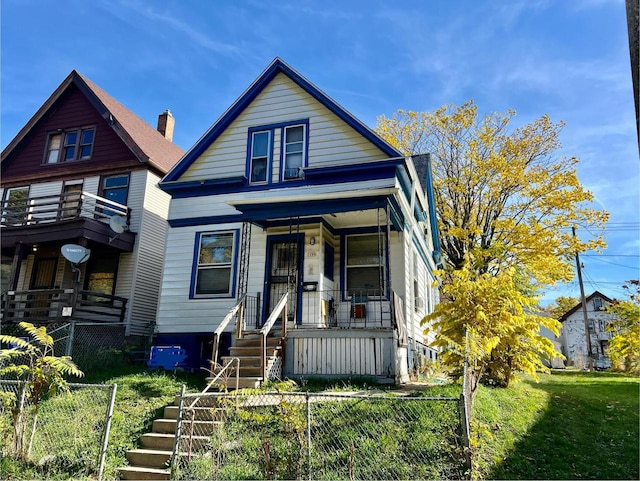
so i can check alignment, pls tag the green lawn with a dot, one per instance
(570, 425)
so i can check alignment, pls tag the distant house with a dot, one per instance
(288, 201)
(573, 338)
(84, 171)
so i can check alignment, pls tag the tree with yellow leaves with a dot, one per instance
(624, 348)
(505, 205)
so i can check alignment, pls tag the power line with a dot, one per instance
(611, 255)
(614, 264)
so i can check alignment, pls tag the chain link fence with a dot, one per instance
(66, 433)
(92, 345)
(318, 436)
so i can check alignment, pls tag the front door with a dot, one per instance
(43, 277)
(284, 263)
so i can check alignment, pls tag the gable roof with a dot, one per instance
(275, 67)
(146, 143)
(578, 306)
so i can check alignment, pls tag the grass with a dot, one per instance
(570, 425)
(140, 397)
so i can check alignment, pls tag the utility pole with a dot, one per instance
(584, 307)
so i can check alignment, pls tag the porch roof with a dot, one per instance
(259, 211)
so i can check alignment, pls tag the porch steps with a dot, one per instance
(151, 460)
(248, 349)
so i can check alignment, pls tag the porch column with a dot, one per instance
(18, 257)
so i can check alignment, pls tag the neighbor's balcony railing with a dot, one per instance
(46, 305)
(56, 208)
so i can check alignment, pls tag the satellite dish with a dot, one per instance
(75, 254)
(117, 224)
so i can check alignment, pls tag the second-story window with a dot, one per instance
(277, 152)
(76, 144)
(259, 156)
(116, 189)
(293, 151)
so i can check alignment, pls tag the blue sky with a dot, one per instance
(568, 59)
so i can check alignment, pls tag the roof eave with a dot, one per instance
(275, 67)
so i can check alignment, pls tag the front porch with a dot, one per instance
(45, 306)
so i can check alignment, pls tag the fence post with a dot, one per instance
(105, 440)
(176, 440)
(308, 431)
(464, 423)
(72, 331)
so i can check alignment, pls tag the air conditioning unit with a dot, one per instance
(292, 173)
(419, 302)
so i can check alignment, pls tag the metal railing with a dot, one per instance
(56, 208)
(234, 313)
(356, 309)
(279, 312)
(47, 305)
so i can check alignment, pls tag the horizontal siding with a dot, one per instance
(149, 253)
(176, 312)
(331, 141)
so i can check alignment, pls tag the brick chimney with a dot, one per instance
(166, 123)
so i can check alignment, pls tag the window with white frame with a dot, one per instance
(364, 265)
(15, 206)
(597, 303)
(293, 158)
(277, 148)
(75, 144)
(260, 148)
(214, 266)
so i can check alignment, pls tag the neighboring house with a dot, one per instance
(84, 171)
(556, 362)
(289, 194)
(572, 335)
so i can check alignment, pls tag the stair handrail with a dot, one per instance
(223, 325)
(216, 377)
(281, 308)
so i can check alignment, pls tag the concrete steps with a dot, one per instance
(151, 460)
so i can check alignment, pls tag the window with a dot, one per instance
(293, 151)
(70, 145)
(115, 189)
(277, 148)
(597, 303)
(214, 264)
(259, 156)
(364, 264)
(101, 275)
(15, 208)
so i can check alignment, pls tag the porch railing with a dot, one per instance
(55, 208)
(234, 313)
(47, 305)
(355, 309)
(279, 312)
